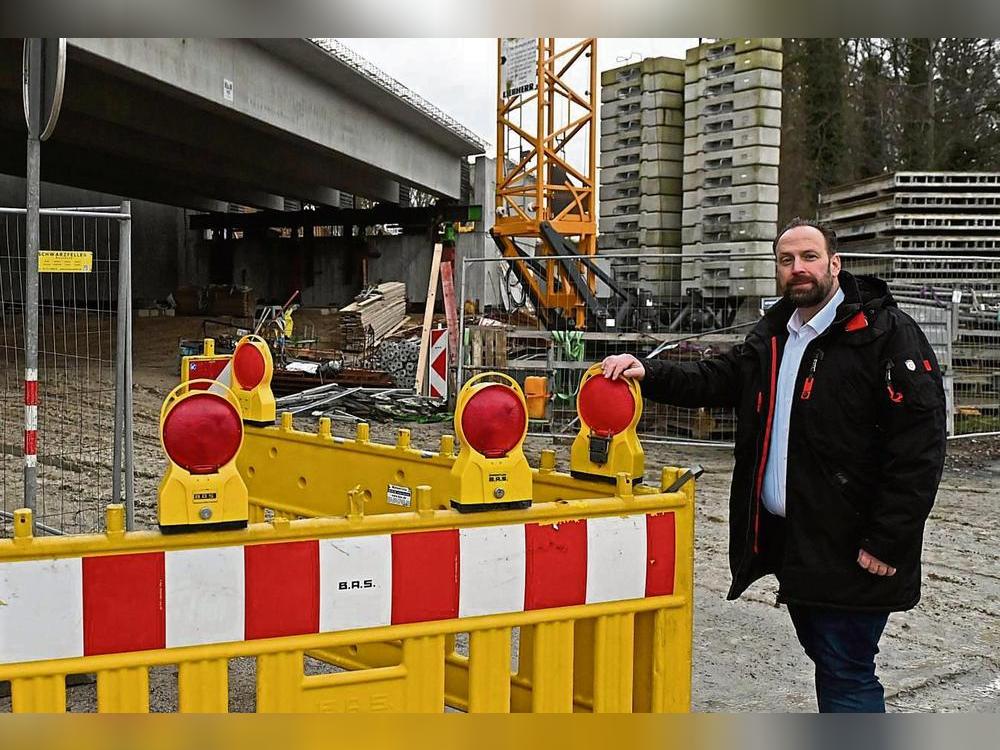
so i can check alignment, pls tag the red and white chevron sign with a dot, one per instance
(437, 369)
(83, 606)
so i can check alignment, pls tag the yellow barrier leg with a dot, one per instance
(44, 695)
(424, 661)
(671, 689)
(613, 664)
(552, 668)
(279, 682)
(489, 671)
(123, 691)
(203, 686)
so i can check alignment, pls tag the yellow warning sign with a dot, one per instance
(65, 261)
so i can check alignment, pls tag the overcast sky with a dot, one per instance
(459, 76)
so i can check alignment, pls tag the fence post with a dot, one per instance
(125, 269)
(34, 158)
(460, 349)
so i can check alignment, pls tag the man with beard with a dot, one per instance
(840, 444)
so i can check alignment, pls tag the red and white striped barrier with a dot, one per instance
(83, 606)
(437, 366)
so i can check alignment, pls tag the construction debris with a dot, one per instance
(360, 404)
(375, 313)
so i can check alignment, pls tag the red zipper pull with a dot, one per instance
(895, 396)
(807, 388)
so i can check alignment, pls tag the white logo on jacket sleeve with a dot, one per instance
(911, 365)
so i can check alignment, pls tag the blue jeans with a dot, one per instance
(842, 645)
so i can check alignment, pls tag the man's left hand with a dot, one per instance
(873, 565)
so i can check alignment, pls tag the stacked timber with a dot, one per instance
(373, 315)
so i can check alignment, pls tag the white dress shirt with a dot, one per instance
(799, 336)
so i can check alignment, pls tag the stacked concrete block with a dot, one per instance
(732, 139)
(932, 214)
(642, 154)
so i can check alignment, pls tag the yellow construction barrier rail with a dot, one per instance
(580, 602)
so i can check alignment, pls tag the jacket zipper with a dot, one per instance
(755, 505)
(807, 386)
(894, 395)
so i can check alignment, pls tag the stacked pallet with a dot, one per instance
(642, 132)
(374, 314)
(732, 133)
(921, 214)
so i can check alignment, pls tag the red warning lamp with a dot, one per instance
(608, 406)
(248, 365)
(201, 432)
(491, 421)
(494, 420)
(607, 443)
(253, 367)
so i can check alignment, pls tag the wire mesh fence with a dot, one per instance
(78, 289)
(684, 307)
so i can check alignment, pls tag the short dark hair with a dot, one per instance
(828, 234)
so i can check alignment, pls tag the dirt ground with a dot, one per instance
(942, 656)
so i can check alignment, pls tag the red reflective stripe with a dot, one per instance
(661, 546)
(425, 576)
(282, 589)
(927, 365)
(556, 564)
(123, 603)
(30, 442)
(767, 443)
(31, 393)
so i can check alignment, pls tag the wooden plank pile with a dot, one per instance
(374, 314)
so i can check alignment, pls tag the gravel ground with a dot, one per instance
(942, 656)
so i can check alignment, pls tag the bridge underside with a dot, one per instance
(153, 119)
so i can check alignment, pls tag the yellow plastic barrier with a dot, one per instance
(589, 593)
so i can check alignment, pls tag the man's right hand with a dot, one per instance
(623, 365)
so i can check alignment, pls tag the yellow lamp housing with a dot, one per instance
(491, 421)
(201, 432)
(253, 367)
(607, 443)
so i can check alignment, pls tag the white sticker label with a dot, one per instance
(227, 89)
(398, 495)
(609, 323)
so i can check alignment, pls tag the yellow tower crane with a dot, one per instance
(546, 201)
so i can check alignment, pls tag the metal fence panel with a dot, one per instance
(678, 320)
(77, 344)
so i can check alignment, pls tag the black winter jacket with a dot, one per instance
(865, 450)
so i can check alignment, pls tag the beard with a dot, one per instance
(811, 293)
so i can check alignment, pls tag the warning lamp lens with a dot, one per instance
(202, 433)
(606, 406)
(248, 366)
(494, 420)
